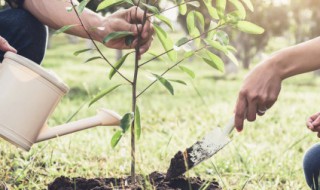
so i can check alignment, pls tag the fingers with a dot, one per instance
(5, 46)
(252, 110)
(240, 112)
(145, 47)
(313, 122)
(136, 15)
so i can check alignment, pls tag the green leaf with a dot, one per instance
(137, 122)
(233, 58)
(216, 45)
(82, 5)
(109, 3)
(165, 20)
(248, 3)
(195, 33)
(194, 3)
(188, 54)
(155, 54)
(249, 27)
(233, 17)
(231, 48)
(117, 65)
(187, 71)
(192, 17)
(182, 6)
(166, 42)
(76, 112)
(92, 58)
(165, 83)
(222, 37)
(116, 138)
(181, 41)
(65, 28)
(102, 94)
(116, 35)
(212, 11)
(212, 30)
(178, 81)
(214, 61)
(190, 21)
(200, 19)
(76, 53)
(221, 6)
(126, 122)
(151, 8)
(241, 11)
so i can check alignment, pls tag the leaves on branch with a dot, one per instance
(76, 53)
(116, 138)
(165, 83)
(102, 94)
(92, 58)
(126, 122)
(164, 20)
(151, 8)
(187, 71)
(109, 3)
(166, 42)
(116, 35)
(82, 5)
(248, 27)
(117, 65)
(65, 28)
(213, 60)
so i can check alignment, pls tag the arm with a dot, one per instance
(54, 14)
(262, 86)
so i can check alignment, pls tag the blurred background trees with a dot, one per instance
(286, 22)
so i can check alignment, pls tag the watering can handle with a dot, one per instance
(229, 127)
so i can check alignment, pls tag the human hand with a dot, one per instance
(128, 20)
(313, 123)
(5, 46)
(258, 93)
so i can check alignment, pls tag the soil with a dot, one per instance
(180, 163)
(154, 180)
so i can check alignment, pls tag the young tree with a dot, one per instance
(207, 40)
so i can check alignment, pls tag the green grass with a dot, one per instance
(266, 155)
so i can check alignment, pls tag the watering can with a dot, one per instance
(28, 96)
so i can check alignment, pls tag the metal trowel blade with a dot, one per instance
(200, 151)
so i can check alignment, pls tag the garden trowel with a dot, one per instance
(200, 151)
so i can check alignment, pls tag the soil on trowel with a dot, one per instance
(180, 163)
(154, 180)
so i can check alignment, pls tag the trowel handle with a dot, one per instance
(229, 127)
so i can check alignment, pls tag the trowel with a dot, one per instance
(200, 151)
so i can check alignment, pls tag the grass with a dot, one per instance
(266, 155)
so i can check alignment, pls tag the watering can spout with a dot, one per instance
(103, 117)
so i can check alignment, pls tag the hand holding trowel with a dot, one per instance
(200, 151)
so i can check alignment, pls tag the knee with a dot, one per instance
(311, 165)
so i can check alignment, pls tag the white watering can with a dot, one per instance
(28, 96)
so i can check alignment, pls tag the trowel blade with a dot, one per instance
(198, 152)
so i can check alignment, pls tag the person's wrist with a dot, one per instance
(98, 29)
(277, 63)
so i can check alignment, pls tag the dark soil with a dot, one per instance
(180, 163)
(155, 180)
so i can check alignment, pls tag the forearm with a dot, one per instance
(297, 59)
(54, 14)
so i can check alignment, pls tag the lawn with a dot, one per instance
(266, 155)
